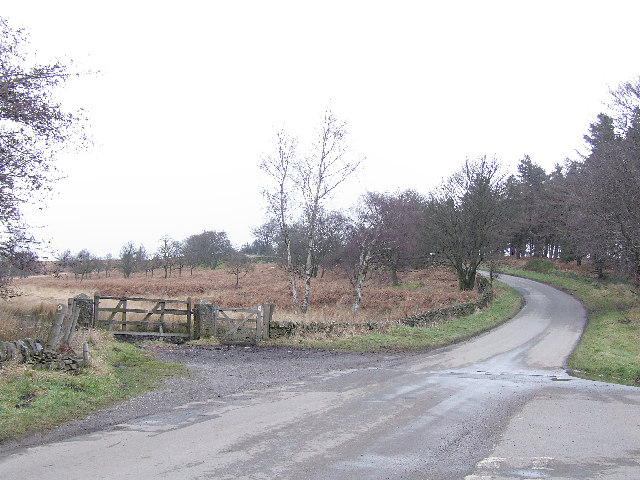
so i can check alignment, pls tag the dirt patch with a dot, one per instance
(214, 372)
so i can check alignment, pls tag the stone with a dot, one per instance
(85, 304)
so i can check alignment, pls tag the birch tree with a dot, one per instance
(364, 242)
(318, 175)
(279, 165)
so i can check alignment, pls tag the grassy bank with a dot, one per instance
(507, 303)
(35, 400)
(609, 349)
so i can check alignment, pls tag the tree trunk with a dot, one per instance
(360, 274)
(292, 277)
(308, 269)
(358, 292)
(466, 279)
(394, 277)
(307, 280)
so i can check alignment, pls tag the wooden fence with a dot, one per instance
(148, 315)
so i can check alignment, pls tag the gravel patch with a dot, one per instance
(214, 372)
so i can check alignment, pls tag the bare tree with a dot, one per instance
(83, 264)
(127, 259)
(141, 258)
(363, 248)
(165, 254)
(207, 249)
(154, 262)
(465, 218)
(401, 218)
(318, 175)
(278, 166)
(108, 265)
(62, 261)
(265, 238)
(33, 129)
(177, 248)
(625, 99)
(331, 235)
(238, 265)
(308, 182)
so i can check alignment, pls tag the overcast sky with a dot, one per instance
(189, 95)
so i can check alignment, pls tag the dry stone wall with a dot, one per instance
(33, 352)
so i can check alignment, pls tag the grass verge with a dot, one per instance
(506, 304)
(35, 400)
(609, 349)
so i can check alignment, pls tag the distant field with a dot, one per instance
(331, 296)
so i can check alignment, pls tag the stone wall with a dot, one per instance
(287, 329)
(33, 352)
(426, 319)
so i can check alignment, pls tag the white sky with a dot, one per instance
(190, 94)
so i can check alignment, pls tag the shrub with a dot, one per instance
(539, 265)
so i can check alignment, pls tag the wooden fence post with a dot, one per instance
(73, 312)
(54, 334)
(66, 321)
(189, 322)
(267, 316)
(96, 304)
(124, 314)
(85, 354)
(260, 323)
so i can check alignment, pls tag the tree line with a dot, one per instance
(208, 250)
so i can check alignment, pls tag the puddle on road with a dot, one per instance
(529, 474)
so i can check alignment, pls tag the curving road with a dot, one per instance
(499, 406)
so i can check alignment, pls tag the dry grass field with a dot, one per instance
(330, 300)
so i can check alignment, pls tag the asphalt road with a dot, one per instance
(499, 406)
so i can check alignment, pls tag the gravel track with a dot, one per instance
(214, 371)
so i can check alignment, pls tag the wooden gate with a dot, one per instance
(238, 324)
(144, 316)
